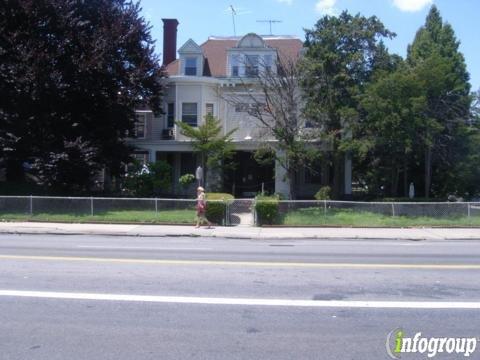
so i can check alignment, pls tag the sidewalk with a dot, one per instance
(240, 232)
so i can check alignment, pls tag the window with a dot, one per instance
(209, 109)
(191, 66)
(268, 62)
(251, 65)
(140, 126)
(189, 113)
(235, 65)
(170, 115)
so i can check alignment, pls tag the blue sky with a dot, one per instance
(202, 18)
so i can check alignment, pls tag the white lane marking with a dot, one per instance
(244, 301)
(137, 247)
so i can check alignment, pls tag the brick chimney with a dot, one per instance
(169, 40)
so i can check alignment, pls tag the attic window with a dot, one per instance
(191, 66)
(251, 66)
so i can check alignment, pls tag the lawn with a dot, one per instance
(185, 216)
(346, 217)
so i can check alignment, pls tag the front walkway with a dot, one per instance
(240, 232)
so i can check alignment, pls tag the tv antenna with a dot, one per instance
(270, 23)
(234, 12)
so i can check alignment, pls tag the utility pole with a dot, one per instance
(270, 22)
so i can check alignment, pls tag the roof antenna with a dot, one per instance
(270, 22)
(234, 12)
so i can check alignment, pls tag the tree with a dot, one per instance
(341, 55)
(71, 75)
(441, 68)
(275, 100)
(394, 105)
(216, 150)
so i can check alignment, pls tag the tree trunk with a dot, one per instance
(338, 163)
(394, 181)
(428, 171)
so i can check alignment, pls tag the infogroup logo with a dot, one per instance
(397, 344)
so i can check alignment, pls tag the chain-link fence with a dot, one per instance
(241, 211)
(348, 213)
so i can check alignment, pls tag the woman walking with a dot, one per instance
(201, 208)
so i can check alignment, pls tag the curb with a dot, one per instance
(232, 237)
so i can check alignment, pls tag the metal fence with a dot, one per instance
(245, 211)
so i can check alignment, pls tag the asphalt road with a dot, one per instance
(91, 297)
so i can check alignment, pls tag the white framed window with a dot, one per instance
(190, 113)
(209, 109)
(191, 66)
(140, 130)
(235, 65)
(268, 62)
(251, 65)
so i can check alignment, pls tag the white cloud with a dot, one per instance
(288, 2)
(411, 5)
(326, 7)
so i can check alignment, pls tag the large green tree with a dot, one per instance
(440, 67)
(71, 74)
(394, 106)
(341, 56)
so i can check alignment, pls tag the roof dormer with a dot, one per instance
(191, 59)
(250, 41)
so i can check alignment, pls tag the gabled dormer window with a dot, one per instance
(191, 59)
(191, 66)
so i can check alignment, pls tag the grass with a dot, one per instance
(316, 217)
(184, 216)
(300, 217)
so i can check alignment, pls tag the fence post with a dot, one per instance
(91, 205)
(31, 205)
(393, 209)
(255, 220)
(325, 208)
(468, 210)
(156, 205)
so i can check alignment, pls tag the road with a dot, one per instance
(105, 297)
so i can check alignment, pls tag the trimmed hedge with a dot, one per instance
(217, 209)
(267, 209)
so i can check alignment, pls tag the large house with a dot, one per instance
(197, 81)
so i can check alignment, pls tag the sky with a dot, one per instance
(200, 19)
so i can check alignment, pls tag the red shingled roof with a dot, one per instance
(215, 51)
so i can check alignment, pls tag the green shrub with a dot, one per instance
(324, 193)
(267, 209)
(186, 180)
(217, 207)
